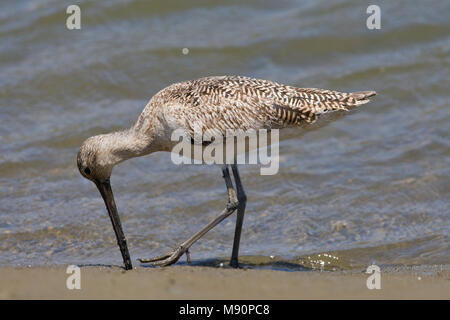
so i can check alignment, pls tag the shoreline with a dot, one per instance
(187, 282)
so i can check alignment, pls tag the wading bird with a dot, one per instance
(218, 104)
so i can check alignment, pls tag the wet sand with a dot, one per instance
(185, 282)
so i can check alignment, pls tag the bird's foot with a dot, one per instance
(234, 263)
(168, 258)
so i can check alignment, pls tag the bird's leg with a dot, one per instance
(242, 201)
(173, 256)
(188, 256)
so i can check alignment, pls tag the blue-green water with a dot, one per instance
(372, 187)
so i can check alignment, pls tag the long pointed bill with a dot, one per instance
(108, 197)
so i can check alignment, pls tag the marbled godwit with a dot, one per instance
(217, 104)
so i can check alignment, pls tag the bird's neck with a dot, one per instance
(122, 145)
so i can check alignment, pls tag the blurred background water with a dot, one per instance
(371, 187)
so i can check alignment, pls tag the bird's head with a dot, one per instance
(94, 160)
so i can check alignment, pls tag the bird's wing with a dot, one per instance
(218, 104)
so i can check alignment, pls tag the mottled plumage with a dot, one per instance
(217, 104)
(208, 107)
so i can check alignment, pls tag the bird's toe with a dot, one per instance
(166, 259)
(155, 259)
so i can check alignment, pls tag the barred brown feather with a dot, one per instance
(215, 105)
(221, 103)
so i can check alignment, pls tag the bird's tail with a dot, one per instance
(310, 103)
(361, 97)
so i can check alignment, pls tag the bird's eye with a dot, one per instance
(87, 171)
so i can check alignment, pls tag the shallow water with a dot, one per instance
(372, 187)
